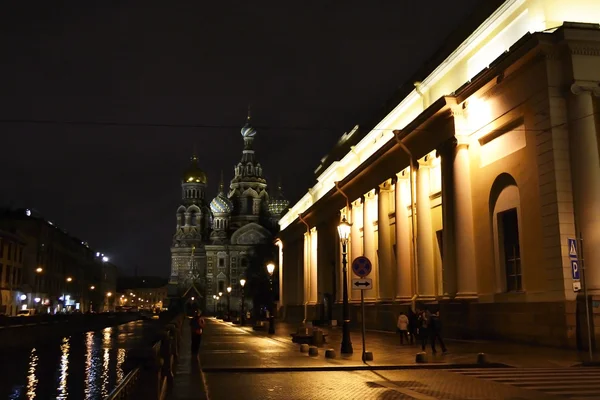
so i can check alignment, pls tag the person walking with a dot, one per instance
(403, 327)
(424, 327)
(197, 326)
(435, 332)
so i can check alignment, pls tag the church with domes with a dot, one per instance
(215, 240)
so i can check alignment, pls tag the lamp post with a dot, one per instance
(215, 304)
(228, 303)
(108, 295)
(242, 316)
(344, 232)
(219, 308)
(270, 270)
(38, 284)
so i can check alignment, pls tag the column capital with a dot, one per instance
(386, 186)
(579, 87)
(446, 147)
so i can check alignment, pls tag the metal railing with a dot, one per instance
(125, 387)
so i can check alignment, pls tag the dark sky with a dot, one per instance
(310, 69)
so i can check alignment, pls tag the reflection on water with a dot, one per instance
(86, 366)
(31, 378)
(64, 370)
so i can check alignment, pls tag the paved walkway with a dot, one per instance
(237, 362)
(387, 350)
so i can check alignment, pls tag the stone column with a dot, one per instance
(386, 270)
(280, 272)
(404, 274)
(449, 276)
(369, 241)
(463, 223)
(585, 173)
(355, 247)
(425, 268)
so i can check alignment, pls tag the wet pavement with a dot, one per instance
(241, 363)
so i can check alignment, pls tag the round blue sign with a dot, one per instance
(361, 266)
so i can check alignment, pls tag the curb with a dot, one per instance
(351, 368)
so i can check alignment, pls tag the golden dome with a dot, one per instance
(194, 173)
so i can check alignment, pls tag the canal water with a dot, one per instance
(82, 366)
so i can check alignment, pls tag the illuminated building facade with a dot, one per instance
(503, 132)
(12, 295)
(58, 271)
(215, 242)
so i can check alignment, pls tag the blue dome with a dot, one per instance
(248, 130)
(221, 204)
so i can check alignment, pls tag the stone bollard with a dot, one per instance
(421, 357)
(167, 357)
(330, 353)
(367, 356)
(482, 358)
(313, 351)
(304, 348)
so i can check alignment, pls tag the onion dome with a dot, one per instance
(278, 203)
(221, 204)
(248, 130)
(194, 174)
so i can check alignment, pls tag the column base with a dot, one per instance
(466, 296)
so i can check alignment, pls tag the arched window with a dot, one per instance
(505, 210)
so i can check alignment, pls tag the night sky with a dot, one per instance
(124, 92)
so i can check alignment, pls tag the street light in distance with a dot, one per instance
(270, 270)
(242, 316)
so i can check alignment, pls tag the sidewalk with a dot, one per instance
(387, 350)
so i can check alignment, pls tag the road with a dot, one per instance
(240, 363)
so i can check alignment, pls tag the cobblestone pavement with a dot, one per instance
(570, 383)
(237, 363)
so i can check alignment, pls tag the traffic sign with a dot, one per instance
(575, 269)
(572, 247)
(362, 284)
(361, 266)
(576, 286)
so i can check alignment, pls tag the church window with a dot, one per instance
(221, 262)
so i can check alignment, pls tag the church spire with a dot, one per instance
(221, 184)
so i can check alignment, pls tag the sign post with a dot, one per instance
(578, 274)
(362, 267)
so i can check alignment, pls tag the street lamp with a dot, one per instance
(69, 279)
(92, 287)
(39, 270)
(228, 303)
(270, 270)
(344, 232)
(242, 316)
(215, 304)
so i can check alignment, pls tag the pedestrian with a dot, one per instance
(413, 325)
(403, 327)
(435, 332)
(424, 331)
(197, 326)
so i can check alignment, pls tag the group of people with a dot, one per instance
(423, 325)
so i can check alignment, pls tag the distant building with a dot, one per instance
(464, 190)
(59, 271)
(145, 292)
(12, 292)
(214, 242)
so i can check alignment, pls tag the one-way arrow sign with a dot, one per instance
(362, 284)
